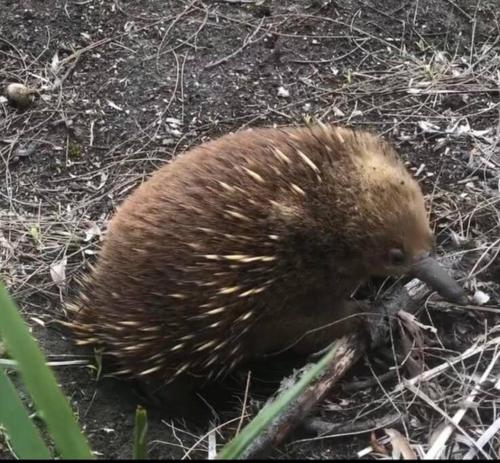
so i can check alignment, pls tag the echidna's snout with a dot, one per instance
(428, 270)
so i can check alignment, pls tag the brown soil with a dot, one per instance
(154, 78)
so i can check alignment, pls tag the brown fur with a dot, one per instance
(243, 244)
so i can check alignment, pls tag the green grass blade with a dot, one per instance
(140, 430)
(40, 382)
(23, 434)
(239, 444)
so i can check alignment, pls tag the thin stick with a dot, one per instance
(429, 374)
(445, 434)
(244, 406)
(247, 41)
(327, 430)
(486, 437)
(348, 351)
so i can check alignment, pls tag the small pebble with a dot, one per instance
(480, 298)
(283, 92)
(19, 95)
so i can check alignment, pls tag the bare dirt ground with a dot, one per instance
(126, 85)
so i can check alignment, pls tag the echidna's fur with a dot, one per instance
(243, 243)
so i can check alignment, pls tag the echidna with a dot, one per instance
(243, 244)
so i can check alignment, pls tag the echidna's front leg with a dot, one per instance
(306, 332)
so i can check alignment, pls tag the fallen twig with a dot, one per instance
(427, 375)
(370, 382)
(400, 445)
(484, 439)
(438, 446)
(322, 427)
(348, 352)
(247, 41)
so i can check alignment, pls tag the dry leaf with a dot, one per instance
(58, 272)
(428, 127)
(173, 121)
(92, 231)
(54, 65)
(376, 445)
(410, 320)
(114, 105)
(412, 341)
(400, 445)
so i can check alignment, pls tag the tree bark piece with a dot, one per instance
(349, 350)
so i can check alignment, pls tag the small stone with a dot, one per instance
(283, 92)
(19, 95)
(480, 297)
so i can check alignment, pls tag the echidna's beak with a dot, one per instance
(429, 271)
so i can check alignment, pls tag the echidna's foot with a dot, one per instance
(312, 329)
(361, 316)
(174, 400)
(377, 325)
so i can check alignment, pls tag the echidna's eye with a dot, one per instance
(397, 256)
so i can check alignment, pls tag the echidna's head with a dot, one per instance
(396, 233)
(374, 212)
(402, 241)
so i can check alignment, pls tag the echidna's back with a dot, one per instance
(217, 240)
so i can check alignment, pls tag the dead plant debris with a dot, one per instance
(121, 87)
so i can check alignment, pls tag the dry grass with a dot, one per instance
(99, 125)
